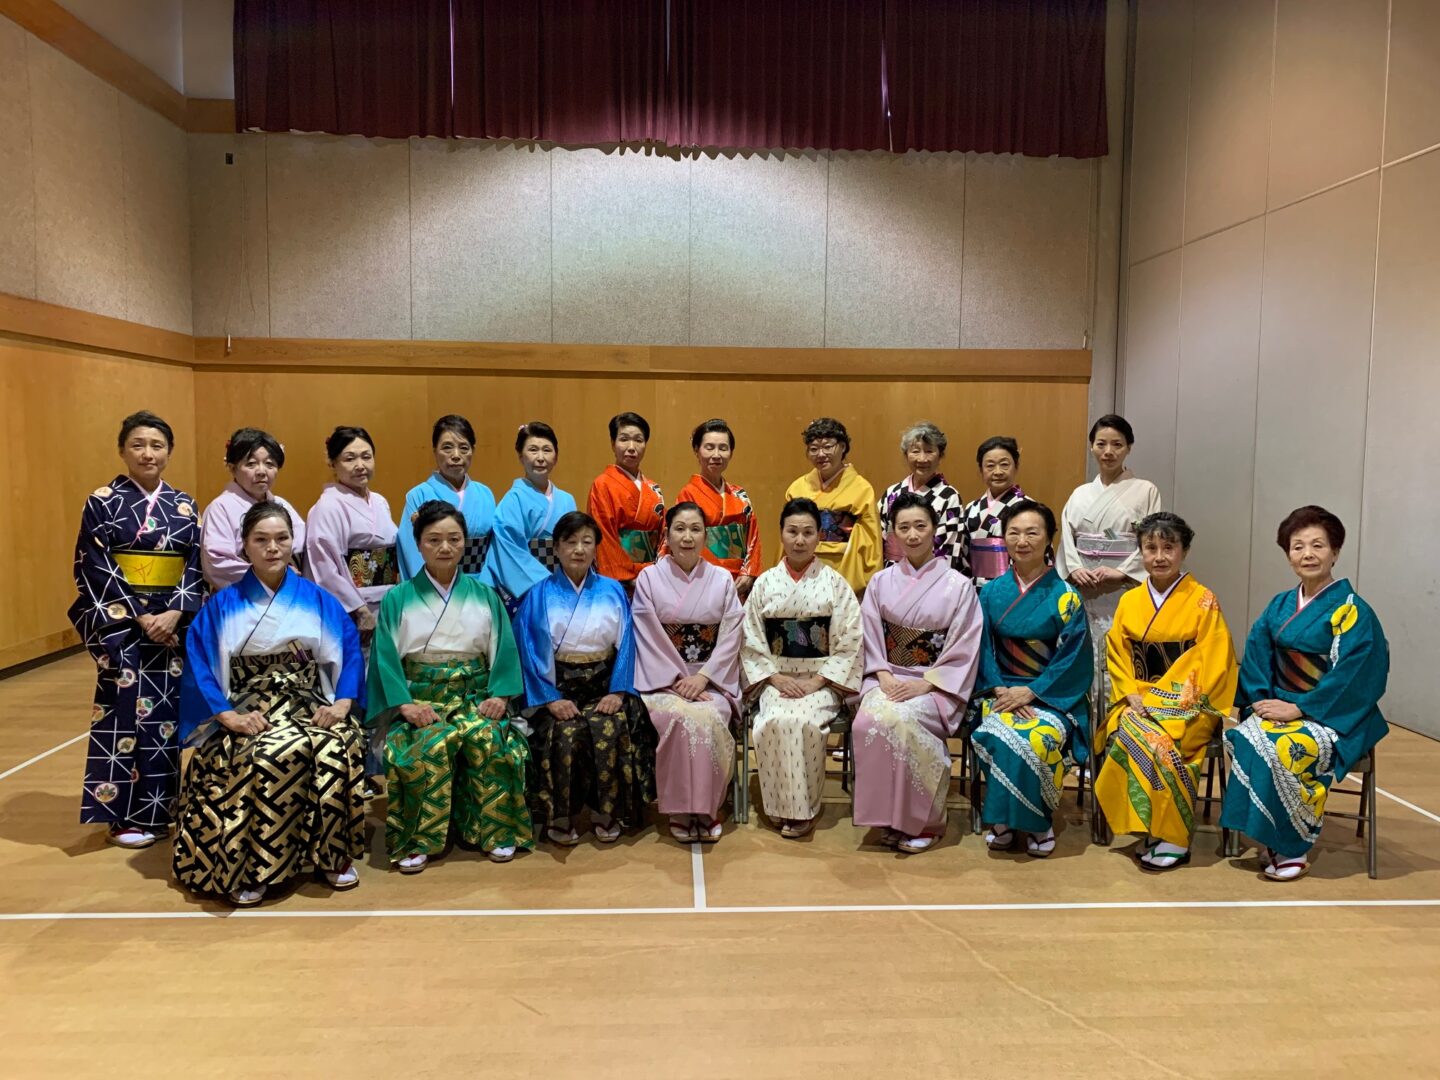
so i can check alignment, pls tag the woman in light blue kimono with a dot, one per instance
(591, 741)
(1036, 666)
(453, 440)
(274, 788)
(1315, 667)
(523, 552)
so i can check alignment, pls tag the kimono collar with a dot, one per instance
(725, 485)
(790, 570)
(908, 484)
(680, 572)
(440, 590)
(125, 478)
(638, 479)
(254, 590)
(907, 569)
(559, 577)
(1302, 601)
(440, 479)
(233, 488)
(1158, 597)
(834, 481)
(1023, 588)
(344, 492)
(1125, 474)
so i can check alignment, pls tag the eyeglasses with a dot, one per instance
(827, 447)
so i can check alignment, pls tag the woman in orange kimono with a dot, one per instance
(732, 535)
(627, 505)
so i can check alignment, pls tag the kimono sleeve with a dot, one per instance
(506, 679)
(622, 675)
(509, 564)
(1347, 694)
(411, 561)
(1207, 670)
(387, 686)
(537, 652)
(105, 607)
(219, 558)
(872, 628)
(956, 666)
(1257, 667)
(326, 555)
(610, 557)
(1068, 676)
(847, 640)
(659, 665)
(201, 696)
(351, 683)
(989, 678)
(756, 662)
(1119, 662)
(866, 547)
(189, 595)
(750, 565)
(723, 667)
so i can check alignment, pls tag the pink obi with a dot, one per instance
(989, 558)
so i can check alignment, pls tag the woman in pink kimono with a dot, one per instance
(688, 631)
(923, 628)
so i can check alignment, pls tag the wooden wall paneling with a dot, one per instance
(22, 317)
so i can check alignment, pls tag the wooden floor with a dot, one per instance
(760, 957)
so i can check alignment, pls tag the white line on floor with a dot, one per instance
(784, 909)
(697, 875)
(42, 757)
(1353, 779)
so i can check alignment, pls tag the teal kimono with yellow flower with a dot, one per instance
(1327, 656)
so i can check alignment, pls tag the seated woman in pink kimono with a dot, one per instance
(923, 628)
(687, 631)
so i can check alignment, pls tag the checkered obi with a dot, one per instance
(799, 639)
(473, 560)
(912, 647)
(543, 548)
(692, 640)
(373, 567)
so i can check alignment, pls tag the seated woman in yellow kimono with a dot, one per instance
(1172, 681)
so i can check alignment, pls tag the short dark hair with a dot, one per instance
(434, 510)
(571, 523)
(910, 500)
(1167, 526)
(536, 429)
(456, 425)
(258, 512)
(715, 426)
(1001, 442)
(628, 419)
(800, 507)
(342, 437)
(1306, 517)
(826, 427)
(1115, 423)
(247, 440)
(680, 508)
(1028, 506)
(144, 418)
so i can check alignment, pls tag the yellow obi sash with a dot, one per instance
(150, 571)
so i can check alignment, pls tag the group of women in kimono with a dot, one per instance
(528, 669)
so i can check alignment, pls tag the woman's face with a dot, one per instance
(1310, 554)
(452, 457)
(146, 453)
(629, 447)
(997, 469)
(916, 532)
(1109, 449)
(713, 455)
(686, 535)
(1025, 538)
(441, 545)
(537, 458)
(1164, 557)
(268, 545)
(923, 459)
(255, 473)
(355, 465)
(826, 455)
(577, 552)
(798, 535)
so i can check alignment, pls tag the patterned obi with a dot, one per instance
(472, 561)
(694, 641)
(1105, 548)
(373, 567)
(726, 541)
(835, 526)
(912, 647)
(583, 679)
(150, 571)
(799, 639)
(1299, 672)
(1152, 659)
(448, 682)
(639, 544)
(1023, 658)
(543, 549)
(280, 685)
(989, 558)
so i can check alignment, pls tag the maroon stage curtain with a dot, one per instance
(347, 67)
(997, 76)
(793, 74)
(565, 71)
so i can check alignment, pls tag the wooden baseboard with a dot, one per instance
(26, 654)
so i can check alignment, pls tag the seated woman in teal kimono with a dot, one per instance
(1036, 666)
(1315, 668)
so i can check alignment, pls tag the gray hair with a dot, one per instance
(924, 431)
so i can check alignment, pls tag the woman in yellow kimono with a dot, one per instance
(1172, 681)
(849, 515)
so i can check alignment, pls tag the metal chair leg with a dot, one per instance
(1372, 852)
(1210, 766)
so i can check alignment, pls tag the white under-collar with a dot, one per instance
(1158, 597)
(443, 590)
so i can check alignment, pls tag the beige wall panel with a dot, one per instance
(70, 403)
(79, 185)
(757, 249)
(1314, 367)
(1150, 380)
(1402, 514)
(893, 268)
(1157, 153)
(622, 247)
(17, 167)
(339, 237)
(229, 244)
(1229, 114)
(1412, 104)
(157, 219)
(1215, 423)
(481, 228)
(1026, 276)
(1329, 94)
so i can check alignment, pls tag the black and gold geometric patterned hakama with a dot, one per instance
(256, 810)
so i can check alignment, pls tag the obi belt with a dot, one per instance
(799, 639)
(373, 567)
(692, 640)
(912, 647)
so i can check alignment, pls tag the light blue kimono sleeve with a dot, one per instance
(537, 651)
(338, 625)
(510, 565)
(411, 562)
(201, 698)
